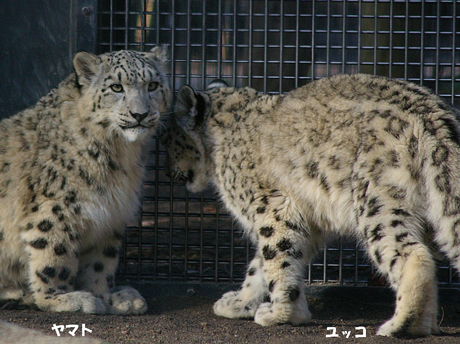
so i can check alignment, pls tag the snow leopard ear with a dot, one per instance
(159, 54)
(189, 108)
(86, 65)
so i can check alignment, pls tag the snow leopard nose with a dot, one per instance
(139, 117)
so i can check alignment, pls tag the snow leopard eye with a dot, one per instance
(153, 86)
(117, 88)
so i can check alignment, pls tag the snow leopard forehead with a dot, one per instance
(134, 67)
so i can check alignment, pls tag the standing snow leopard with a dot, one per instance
(70, 175)
(361, 155)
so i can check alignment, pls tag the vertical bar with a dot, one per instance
(157, 21)
(297, 27)
(341, 261)
(356, 264)
(251, 4)
(201, 238)
(171, 219)
(344, 35)
(232, 243)
(189, 32)
(126, 23)
(406, 43)
(438, 29)
(157, 164)
(203, 46)
(139, 246)
(422, 45)
(203, 85)
(325, 264)
(454, 33)
(141, 201)
(171, 183)
(281, 46)
(234, 69)
(375, 38)
(216, 257)
(232, 229)
(232, 248)
(265, 44)
(328, 36)
(187, 200)
(454, 41)
(359, 35)
(219, 40)
(143, 17)
(188, 78)
(156, 217)
(173, 43)
(219, 73)
(313, 24)
(390, 53)
(111, 25)
(141, 205)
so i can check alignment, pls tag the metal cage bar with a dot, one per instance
(273, 46)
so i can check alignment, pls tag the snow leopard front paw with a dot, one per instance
(77, 301)
(269, 314)
(232, 305)
(127, 300)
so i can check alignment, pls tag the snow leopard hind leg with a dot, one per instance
(393, 236)
(442, 175)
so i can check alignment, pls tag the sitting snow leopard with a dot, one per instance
(70, 175)
(361, 155)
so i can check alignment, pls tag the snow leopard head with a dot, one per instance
(124, 91)
(184, 137)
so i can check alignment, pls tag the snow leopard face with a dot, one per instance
(124, 91)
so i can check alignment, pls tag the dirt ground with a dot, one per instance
(182, 313)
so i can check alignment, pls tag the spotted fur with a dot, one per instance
(351, 154)
(70, 175)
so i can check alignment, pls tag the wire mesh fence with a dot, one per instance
(274, 47)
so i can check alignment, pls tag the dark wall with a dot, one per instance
(38, 40)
